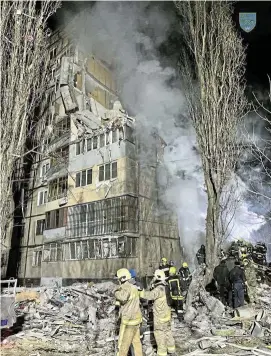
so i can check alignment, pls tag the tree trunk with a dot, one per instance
(212, 238)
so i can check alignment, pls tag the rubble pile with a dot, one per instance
(80, 320)
(74, 319)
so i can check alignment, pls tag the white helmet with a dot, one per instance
(123, 275)
(159, 275)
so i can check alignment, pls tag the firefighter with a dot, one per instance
(221, 276)
(237, 279)
(164, 266)
(251, 277)
(175, 292)
(185, 276)
(243, 253)
(127, 296)
(201, 255)
(161, 314)
(259, 253)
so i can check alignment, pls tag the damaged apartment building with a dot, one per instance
(93, 207)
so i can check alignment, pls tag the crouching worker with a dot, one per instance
(176, 297)
(161, 314)
(128, 297)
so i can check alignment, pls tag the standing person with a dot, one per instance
(161, 314)
(127, 296)
(238, 281)
(221, 276)
(175, 291)
(185, 276)
(201, 255)
(164, 266)
(251, 276)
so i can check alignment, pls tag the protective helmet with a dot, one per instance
(123, 275)
(172, 271)
(159, 275)
(243, 249)
(171, 263)
(163, 260)
(133, 273)
(185, 265)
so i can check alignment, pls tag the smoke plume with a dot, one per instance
(134, 38)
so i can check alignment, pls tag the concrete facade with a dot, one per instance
(93, 207)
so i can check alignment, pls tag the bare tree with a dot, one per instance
(212, 66)
(24, 64)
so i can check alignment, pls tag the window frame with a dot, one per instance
(39, 231)
(44, 200)
(37, 258)
(56, 247)
(103, 168)
(79, 176)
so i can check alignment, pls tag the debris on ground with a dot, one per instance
(80, 320)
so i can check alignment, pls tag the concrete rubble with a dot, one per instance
(80, 320)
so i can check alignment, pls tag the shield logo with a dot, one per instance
(247, 21)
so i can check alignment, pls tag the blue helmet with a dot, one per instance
(133, 273)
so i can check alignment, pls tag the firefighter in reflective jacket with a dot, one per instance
(128, 297)
(186, 276)
(164, 266)
(175, 291)
(161, 314)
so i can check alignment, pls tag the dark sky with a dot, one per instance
(258, 41)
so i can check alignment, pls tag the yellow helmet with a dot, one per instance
(159, 275)
(172, 271)
(123, 274)
(164, 260)
(185, 265)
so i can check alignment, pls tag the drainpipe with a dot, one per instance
(29, 225)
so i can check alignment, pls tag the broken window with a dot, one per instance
(40, 226)
(58, 188)
(91, 248)
(83, 178)
(56, 218)
(129, 134)
(44, 169)
(60, 156)
(53, 53)
(114, 136)
(89, 144)
(106, 248)
(95, 142)
(107, 138)
(84, 245)
(37, 257)
(52, 252)
(102, 140)
(42, 197)
(62, 127)
(121, 246)
(98, 249)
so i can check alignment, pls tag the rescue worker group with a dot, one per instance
(234, 283)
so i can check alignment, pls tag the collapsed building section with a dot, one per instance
(94, 206)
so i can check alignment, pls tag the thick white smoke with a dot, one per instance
(127, 35)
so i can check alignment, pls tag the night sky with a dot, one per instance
(258, 41)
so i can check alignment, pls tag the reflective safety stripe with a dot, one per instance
(177, 297)
(159, 353)
(131, 322)
(171, 349)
